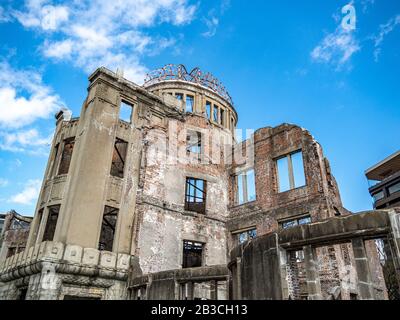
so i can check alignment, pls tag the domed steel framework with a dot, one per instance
(179, 72)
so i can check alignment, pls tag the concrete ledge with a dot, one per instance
(67, 259)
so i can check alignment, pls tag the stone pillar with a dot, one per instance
(189, 290)
(313, 282)
(214, 289)
(365, 283)
(284, 277)
(394, 242)
(239, 278)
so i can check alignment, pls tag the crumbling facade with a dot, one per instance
(147, 193)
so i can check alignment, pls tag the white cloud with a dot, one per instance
(24, 98)
(384, 30)
(24, 141)
(212, 23)
(29, 194)
(93, 33)
(336, 48)
(3, 182)
(4, 16)
(43, 15)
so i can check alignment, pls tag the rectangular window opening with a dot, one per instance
(246, 187)
(195, 199)
(108, 225)
(51, 223)
(193, 142)
(189, 103)
(126, 112)
(118, 159)
(66, 156)
(208, 109)
(246, 235)
(222, 117)
(215, 114)
(295, 222)
(192, 254)
(291, 171)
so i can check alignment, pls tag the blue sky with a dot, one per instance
(282, 61)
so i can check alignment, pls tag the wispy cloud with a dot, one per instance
(110, 33)
(384, 30)
(212, 23)
(24, 98)
(336, 48)
(29, 141)
(29, 194)
(3, 182)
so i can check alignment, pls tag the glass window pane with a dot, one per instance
(240, 189)
(378, 196)
(189, 103)
(243, 237)
(283, 172)
(394, 188)
(298, 169)
(253, 234)
(251, 186)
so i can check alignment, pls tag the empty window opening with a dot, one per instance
(118, 159)
(66, 156)
(189, 103)
(193, 142)
(222, 117)
(192, 254)
(51, 223)
(215, 114)
(247, 235)
(208, 109)
(246, 187)
(108, 225)
(195, 195)
(291, 171)
(126, 112)
(295, 222)
(179, 96)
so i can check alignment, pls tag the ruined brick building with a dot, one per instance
(148, 195)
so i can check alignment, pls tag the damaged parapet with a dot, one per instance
(54, 265)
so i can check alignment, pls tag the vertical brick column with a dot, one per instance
(313, 281)
(365, 284)
(214, 289)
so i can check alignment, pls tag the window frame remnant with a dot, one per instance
(195, 197)
(294, 222)
(51, 223)
(119, 158)
(289, 171)
(66, 156)
(126, 110)
(189, 107)
(108, 227)
(244, 192)
(192, 254)
(194, 142)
